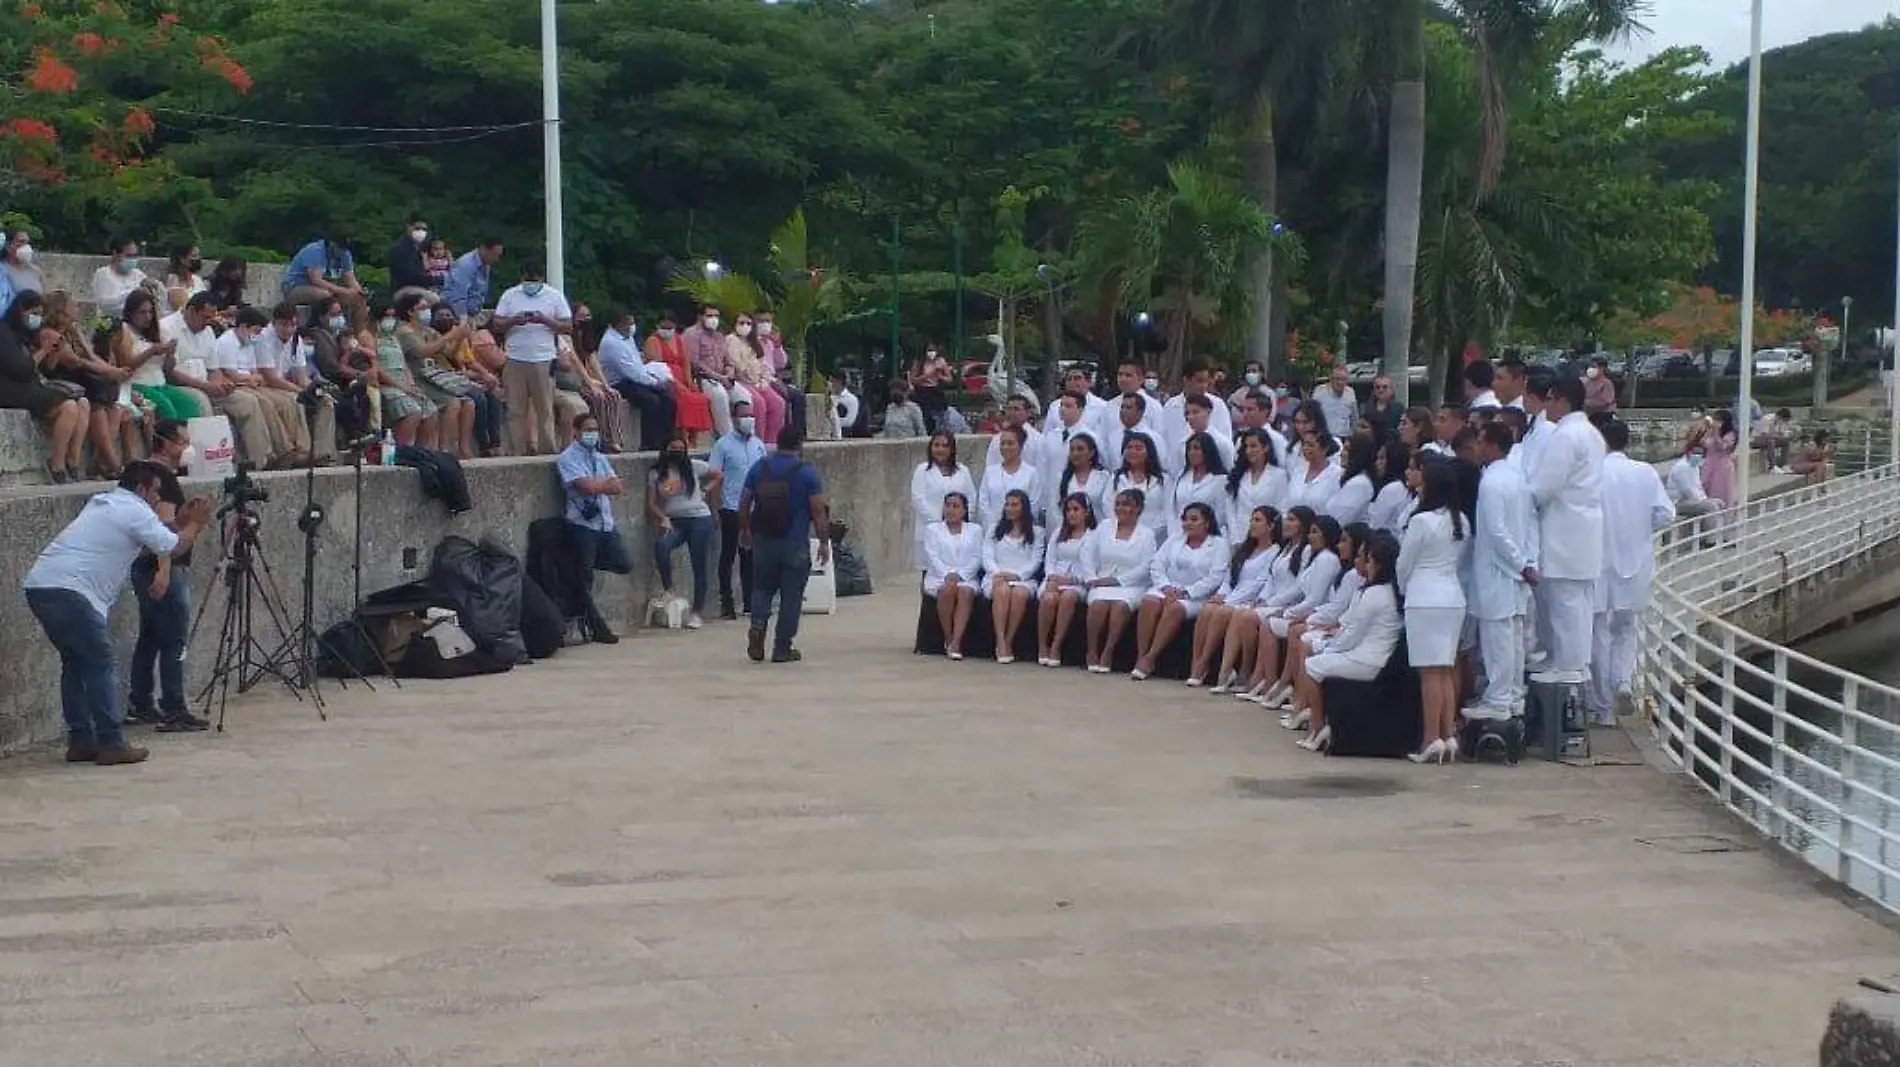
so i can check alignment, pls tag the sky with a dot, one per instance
(1721, 26)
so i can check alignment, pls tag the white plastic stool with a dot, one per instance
(821, 592)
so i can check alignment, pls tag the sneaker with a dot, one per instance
(755, 644)
(81, 752)
(693, 621)
(120, 755)
(727, 613)
(183, 722)
(604, 636)
(792, 655)
(147, 716)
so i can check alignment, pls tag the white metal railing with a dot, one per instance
(1807, 753)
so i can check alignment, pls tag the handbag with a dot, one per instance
(69, 390)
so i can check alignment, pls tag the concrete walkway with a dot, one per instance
(660, 854)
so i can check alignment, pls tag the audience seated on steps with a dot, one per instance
(264, 416)
(73, 361)
(59, 408)
(120, 277)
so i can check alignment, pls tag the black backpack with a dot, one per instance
(772, 500)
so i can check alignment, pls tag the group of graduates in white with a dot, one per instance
(1496, 538)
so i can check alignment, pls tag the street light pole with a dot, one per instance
(1893, 390)
(1751, 196)
(551, 145)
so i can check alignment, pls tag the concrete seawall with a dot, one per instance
(867, 482)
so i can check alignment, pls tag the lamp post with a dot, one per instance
(551, 146)
(713, 270)
(1824, 369)
(1751, 196)
(1138, 336)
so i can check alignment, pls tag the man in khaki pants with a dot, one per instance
(283, 363)
(258, 420)
(528, 318)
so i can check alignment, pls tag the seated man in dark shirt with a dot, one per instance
(406, 270)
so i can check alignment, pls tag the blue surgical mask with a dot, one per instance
(746, 423)
(1695, 459)
(590, 438)
(34, 320)
(531, 288)
(125, 266)
(339, 323)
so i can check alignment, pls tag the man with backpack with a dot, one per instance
(783, 502)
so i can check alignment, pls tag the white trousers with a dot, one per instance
(1565, 606)
(1536, 626)
(1612, 661)
(1501, 642)
(721, 402)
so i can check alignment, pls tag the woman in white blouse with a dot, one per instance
(1064, 581)
(1301, 577)
(1323, 623)
(1436, 540)
(1315, 587)
(1394, 498)
(1085, 474)
(1249, 566)
(1255, 482)
(1116, 558)
(1353, 499)
(953, 563)
(1012, 560)
(1012, 470)
(1368, 635)
(1314, 475)
(1141, 469)
(1202, 481)
(1185, 572)
(936, 477)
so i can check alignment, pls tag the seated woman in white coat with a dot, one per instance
(1012, 470)
(1117, 557)
(1392, 505)
(1282, 588)
(936, 477)
(1321, 624)
(1141, 470)
(1436, 541)
(1352, 500)
(1185, 572)
(1064, 579)
(1368, 635)
(1256, 481)
(1249, 567)
(1012, 562)
(1202, 481)
(953, 565)
(1084, 473)
(1317, 576)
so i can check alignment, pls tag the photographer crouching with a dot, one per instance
(70, 590)
(164, 618)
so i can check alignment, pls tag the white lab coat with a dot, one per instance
(1154, 502)
(1114, 436)
(1197, 569)
(1389, 508)
(1106, 420)
(1429, 556)
(1011, 554)
(1345, 587)
(1369, 630)
(1032, 449)
(1174, 427)
(1183, 490)
(1053, 453)
(1351, 501)
(1052, 419)
(1537, 431)
(1315, 492)
(1685, 483)
(928, 487)
(1635, 507)
(946, 553)
(1095, 487)
(1251, 585)
(1501, 548)
(1064, 558)
(1268, 490)
(1174, 455)
(1311, 587)
(997, 483)
(1124, 560)
(1566, 483)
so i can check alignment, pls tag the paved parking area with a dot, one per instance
(660, 854)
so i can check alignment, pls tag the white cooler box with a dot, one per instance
(821, 592)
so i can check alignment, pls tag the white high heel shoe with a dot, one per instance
(1252, 693)
(1319, 742)
(1434, 753)
(1296, 720)
(1277, 696)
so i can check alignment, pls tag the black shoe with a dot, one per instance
(81, 752)
(790, 655)
(148, 716)
(755, 644)
(727, 613)
(604, 636)
(183, 722)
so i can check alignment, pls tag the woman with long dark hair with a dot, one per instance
(1349, 502)
(1012, 560)
(1202, 481)
(1257, 481)
(1436, 540)
(1249, 565)
(936, 477)
(1393, 501)
(1085, 473)
(1185, 572)
(677, 491)
(1117, 559)
(1718, 458)
(1368, 634)
(1283, 589)
(1317, 577)
(1314, 475)
(75, 361)
(1064, 579)
(953, 565)
(1306, 633)
(1141, 470)
(23, 349)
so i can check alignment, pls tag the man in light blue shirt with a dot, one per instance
(466, 287)
(733, 456)
(70, 590)
(590, 485)
(325, 269)
(627, 372)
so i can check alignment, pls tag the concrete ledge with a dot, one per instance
(867, 482)
(1863, 1031)
(263, 282)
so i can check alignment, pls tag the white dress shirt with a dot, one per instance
(1685, 483)
(195, 350)
(92, 555)
(1567, 485)
(621, 361)
(1389, 507)
(1635, 507)
(947, 552)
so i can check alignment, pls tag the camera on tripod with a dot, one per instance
(241, 493)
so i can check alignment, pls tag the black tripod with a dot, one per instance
(308, 642)
(248, 580)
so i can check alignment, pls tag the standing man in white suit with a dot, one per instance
(1635, 508)
(1567, 486)
(1503, 572)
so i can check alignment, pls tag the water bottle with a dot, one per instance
(388, 450)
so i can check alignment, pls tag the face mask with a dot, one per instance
(629, 331)
(765, 330)
(444, 325)
(1151, 384)
(419, 235)
(389, 326)
(125, 266)
(1253, 377)
(1694, 460)
(531, 289)
(746, 423)
(34, 320)
(666, 333)
(252, 340)
(339, 323)
(590, 438)
(1592, 373)
(711, 322)
(744, 329)
(187, 457)
(24, 254)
